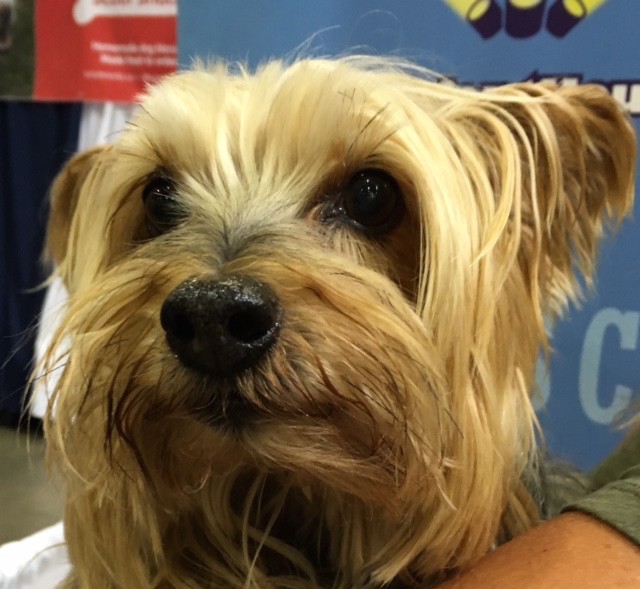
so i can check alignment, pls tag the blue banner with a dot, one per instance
(595, 370)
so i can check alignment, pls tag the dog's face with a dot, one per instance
(305, 308)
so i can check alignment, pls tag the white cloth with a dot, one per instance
(101, 122)
(39, 561)
(52, 311)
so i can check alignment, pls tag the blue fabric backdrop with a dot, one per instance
(35, 139)
(596, 368)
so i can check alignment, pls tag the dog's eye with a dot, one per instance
(371, 201)
(162, 210)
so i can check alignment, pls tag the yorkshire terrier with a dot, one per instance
(306, 305)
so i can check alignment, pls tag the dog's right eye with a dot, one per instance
(162, 210)
(371, 202)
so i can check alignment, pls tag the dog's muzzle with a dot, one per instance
(221, 327)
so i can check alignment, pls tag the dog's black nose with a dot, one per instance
(221, 327)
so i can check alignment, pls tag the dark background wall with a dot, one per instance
(35, 140)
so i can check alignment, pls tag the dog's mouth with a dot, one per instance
(232, 410)
(228, 410)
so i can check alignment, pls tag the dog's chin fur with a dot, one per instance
(388, 436)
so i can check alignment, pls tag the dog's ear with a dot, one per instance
(577, 151)
(65, 193)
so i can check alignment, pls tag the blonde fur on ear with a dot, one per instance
(64, 195)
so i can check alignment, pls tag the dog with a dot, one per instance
(306, 305)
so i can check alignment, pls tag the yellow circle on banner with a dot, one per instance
(477, 9)
(525, 3)
(575, 8)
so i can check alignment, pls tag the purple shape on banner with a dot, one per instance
(490, 22)
(560, 21)
(524, 22)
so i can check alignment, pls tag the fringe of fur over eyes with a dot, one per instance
(397, 436)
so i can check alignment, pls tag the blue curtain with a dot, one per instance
(35, 140)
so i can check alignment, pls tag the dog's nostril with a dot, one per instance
(177, 323)
(250, 325)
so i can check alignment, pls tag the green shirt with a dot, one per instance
(616, 500)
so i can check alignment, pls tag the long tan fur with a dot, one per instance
(396, 422)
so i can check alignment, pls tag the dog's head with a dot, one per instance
(319, 292)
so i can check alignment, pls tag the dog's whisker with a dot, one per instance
(366, 127)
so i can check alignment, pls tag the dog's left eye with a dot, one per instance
(162, 210)
(371, 201)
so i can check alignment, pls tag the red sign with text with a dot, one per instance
(102, 50)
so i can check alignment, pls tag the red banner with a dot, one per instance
(98, 50)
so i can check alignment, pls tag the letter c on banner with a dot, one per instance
(628, 325)
(542, 390)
